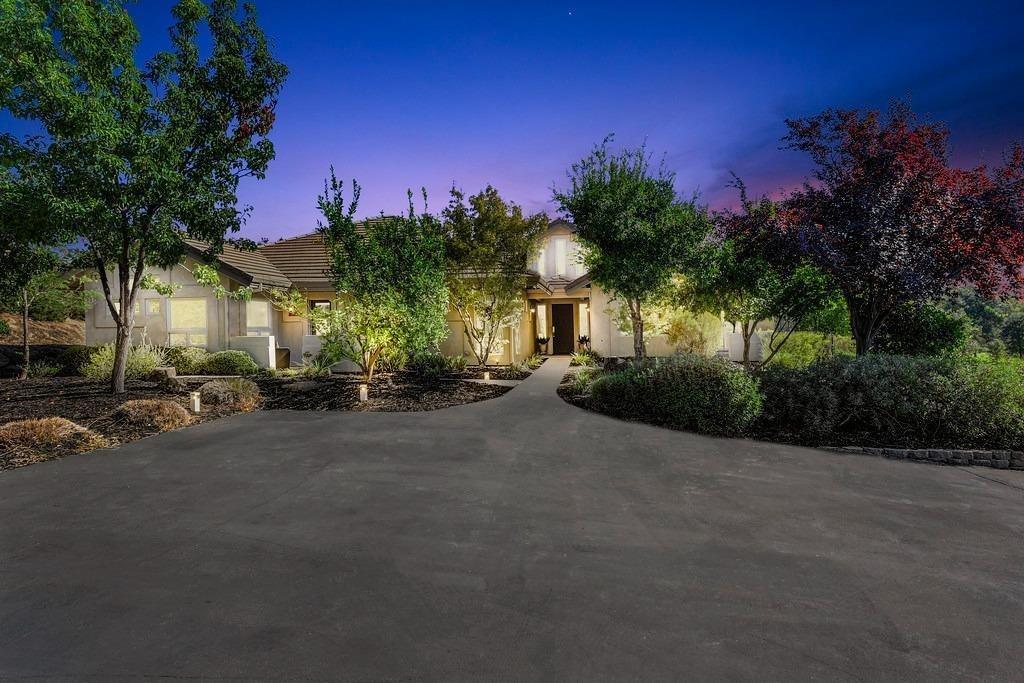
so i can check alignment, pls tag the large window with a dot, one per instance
(561, 260)
(187, 322)
(542, 320)
(541, 265)
(257, 318)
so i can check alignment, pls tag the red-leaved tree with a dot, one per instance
(891, 221)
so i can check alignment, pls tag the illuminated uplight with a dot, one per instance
(364, 392)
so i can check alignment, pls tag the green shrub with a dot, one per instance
(583, 380)
(142, 360)
(41, 368)
(881, 400)
(435, 365)
(691, 392)
(73, 358)
(318, 365)
(803, 348)
(1012, 334)
(230, 362)
(188, 360)
(534, 361)
(5, 328)
(925, 330)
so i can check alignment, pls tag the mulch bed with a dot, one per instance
(392, 392)
(87, 403)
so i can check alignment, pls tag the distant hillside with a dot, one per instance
(66, 332)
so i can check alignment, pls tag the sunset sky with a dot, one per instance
(403, 95)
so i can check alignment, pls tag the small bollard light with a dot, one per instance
(364, 392)
(487, 375)
(196, 406)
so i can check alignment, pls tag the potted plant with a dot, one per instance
(584, 342)
(542, 344)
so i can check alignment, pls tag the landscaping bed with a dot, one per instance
(86, 403)
(390, 392)
(944, 410)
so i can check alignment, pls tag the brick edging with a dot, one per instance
(1001, 460)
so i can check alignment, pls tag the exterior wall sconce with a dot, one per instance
(195, 402)
(364, 393)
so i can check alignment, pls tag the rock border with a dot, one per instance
(1000, 460)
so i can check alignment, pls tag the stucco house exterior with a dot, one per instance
(559, 303)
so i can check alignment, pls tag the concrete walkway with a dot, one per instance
(518, 538)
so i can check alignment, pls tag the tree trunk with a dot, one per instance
(25, 360)
(122, 342)
(748, 331)
(863, 326)
(636, 316)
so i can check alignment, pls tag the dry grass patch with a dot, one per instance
(29, 441)
(153, 414)
(239, 392)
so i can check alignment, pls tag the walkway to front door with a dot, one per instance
(562, 339)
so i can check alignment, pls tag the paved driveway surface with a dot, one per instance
(519, 538)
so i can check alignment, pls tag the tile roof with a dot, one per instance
(250, 267)
(303, 259)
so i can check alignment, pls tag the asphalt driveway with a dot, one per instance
(519, 538)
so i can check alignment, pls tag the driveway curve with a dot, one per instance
(517, 538)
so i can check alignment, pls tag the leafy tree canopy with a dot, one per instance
(635, 231)
(488, 243)
(891, 222)
(389, 273)
(135, 157)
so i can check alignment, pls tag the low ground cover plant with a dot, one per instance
(914, 402)
(142, 360)
(26, 441)
(690, 392)
(153, 414)
(586, 358)
(435, 365)
(73, 358)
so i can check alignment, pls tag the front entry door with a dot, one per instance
(562, 339)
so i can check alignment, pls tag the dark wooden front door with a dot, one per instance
(562, 339)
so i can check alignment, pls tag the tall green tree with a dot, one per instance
(389, 273)
(635, 231)
(733, 276)
(138, 157)
(488, 242)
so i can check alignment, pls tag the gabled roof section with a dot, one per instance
(582, 282)
(304, 260)
(247, 267)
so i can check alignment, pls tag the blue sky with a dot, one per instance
(403, 95)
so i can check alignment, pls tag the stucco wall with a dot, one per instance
(225, 318)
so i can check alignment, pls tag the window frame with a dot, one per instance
(189, 332)
(260, 330)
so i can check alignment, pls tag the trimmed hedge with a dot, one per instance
(231, 362)
(882, 400)
(689, 392)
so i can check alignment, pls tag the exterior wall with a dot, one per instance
(545, 261)
(225, 318)
(606, 339)
(518, 341)
(292, 330)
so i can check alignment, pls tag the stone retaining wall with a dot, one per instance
(1002, 460)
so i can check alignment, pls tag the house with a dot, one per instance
(559, 303)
